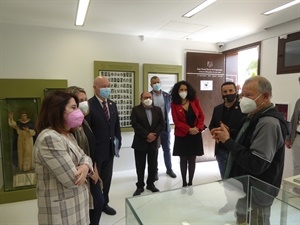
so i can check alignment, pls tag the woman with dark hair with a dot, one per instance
(188, 118)
(61, 165)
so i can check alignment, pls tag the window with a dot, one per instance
(288, 57)
(242, 63)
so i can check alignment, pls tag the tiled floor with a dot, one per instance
(123, 186)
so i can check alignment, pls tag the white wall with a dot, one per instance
(28, 52)
(286, 88)
(36, 52)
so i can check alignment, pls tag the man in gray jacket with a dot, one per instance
(293, 141)
(258, 149)
(162, 99)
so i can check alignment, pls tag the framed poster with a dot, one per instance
(19, 106)
(168, 75)
(18, 130)
(123, 79)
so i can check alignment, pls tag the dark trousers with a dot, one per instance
(165, 144)
(98, 200)
(140, 164)
(221, 157)
(105, 169)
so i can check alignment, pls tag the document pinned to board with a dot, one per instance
(117, 144)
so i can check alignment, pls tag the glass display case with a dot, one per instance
(247, 200)
(18, 135)
(20, 100)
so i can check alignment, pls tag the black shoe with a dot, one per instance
(156, 176)
(152, 188)
(138, 191)
(171, 173)
(109, 210)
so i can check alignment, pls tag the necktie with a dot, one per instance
(105, 110)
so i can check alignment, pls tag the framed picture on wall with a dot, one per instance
(18, 116)
(123, 79)
(21, 101)
(167, 80)
(122, 93)
(168, 75)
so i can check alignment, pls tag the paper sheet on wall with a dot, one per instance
(206, 85)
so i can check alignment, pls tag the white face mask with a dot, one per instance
(248, 105)
(147, 102)
(84, 107)
(183, 94)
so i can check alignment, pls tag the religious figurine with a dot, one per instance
(25, 130)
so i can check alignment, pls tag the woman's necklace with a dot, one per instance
(184, 102)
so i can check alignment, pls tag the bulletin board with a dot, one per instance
(124, 80)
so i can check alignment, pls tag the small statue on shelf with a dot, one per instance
(25, 130)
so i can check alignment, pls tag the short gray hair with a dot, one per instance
(264, 85)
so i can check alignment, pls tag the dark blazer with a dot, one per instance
(167, 99)
(104, 131)
(142, 128)
(234, 124)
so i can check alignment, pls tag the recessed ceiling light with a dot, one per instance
(282, 7)
(81, 12)
(200, 7)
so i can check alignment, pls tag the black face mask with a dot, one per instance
(229, 98)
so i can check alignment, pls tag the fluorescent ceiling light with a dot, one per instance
(282, 7)
(200, 7)
(81, 12)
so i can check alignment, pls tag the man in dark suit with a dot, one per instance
(228, 113)
(148, 123)
(162, 99)
(104, 121)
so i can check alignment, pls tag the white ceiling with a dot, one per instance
(223, 21)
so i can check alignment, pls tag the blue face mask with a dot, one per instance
(156, 87)
(104, 92)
